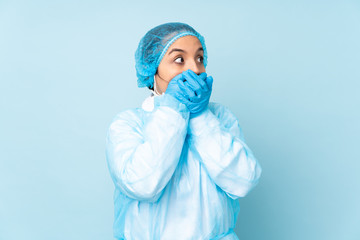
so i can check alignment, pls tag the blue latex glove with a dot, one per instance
(197, 91)
(173, 87)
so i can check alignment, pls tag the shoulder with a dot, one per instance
(128, 115)
(126, 120)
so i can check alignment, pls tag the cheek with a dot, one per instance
(173, 74)
(168, 72)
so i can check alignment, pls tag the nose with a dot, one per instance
(194, 67)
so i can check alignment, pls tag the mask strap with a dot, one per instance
(155, 91)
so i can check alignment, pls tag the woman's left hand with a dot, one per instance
(197, 91)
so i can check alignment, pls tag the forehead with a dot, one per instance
(187, 43)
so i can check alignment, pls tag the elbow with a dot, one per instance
(245, 185)
(135, 185)
(251, 182)
(241, 190)
(251, 179)
(141, 190)
(146, 192)
(245, 189)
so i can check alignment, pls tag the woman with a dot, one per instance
(180, 162)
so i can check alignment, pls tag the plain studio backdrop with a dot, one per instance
(290, 72)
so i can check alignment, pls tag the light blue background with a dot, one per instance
(289, 70)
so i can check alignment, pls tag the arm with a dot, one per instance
(217, 137)
(143, 152)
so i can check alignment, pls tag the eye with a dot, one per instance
(179, 60)
(201, 59)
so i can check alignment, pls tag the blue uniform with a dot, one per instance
(178, 177)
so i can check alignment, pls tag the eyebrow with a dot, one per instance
(181, 50)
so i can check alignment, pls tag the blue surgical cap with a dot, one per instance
(153, 46)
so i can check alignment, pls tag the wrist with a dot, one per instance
(167, 100)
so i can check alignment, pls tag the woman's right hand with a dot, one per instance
(173, 87)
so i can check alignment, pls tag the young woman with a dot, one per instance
(179, 163)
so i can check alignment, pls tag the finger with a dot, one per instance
(182, 98)
(203, 75)
(200, 79)
(209, 82)
(197, 76)
(193, 82)
(202, 82)
(190, 94)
